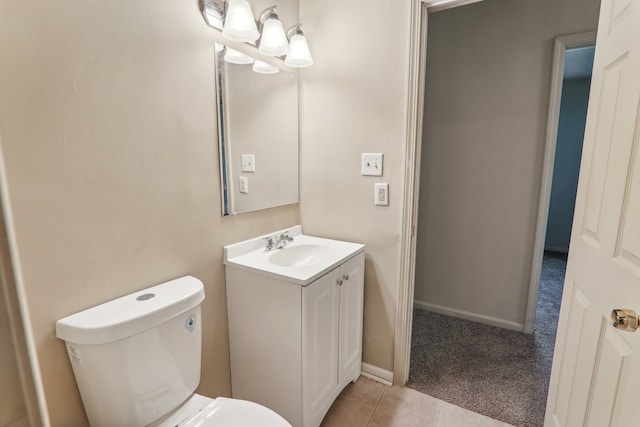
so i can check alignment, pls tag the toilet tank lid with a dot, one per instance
(131, 314)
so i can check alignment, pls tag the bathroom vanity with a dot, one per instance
(295, 322)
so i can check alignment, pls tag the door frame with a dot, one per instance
(420, 10)
(562, 44)
(14, 296)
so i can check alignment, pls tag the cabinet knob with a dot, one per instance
(345, 276)
(339, 282)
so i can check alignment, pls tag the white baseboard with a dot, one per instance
(480, 318)
(377, 374)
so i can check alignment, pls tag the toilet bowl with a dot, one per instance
(136, 360)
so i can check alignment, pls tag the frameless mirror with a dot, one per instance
(258, 135)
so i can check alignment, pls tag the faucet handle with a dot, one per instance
(283, 239)
(270, 242)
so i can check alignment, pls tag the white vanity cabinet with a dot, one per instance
(295, 346)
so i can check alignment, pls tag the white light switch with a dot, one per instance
(244, 185)
(382, 194)
(248, 163)
(372, 164)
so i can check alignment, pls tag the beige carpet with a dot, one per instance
(498, 373)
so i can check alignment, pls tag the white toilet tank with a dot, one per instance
(137, 357)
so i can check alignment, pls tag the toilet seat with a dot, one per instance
(225, 412)
(202, 411)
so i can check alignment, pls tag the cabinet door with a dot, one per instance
(319, 343)
(350, 322)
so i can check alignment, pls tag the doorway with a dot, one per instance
(456, 254)
(478, 366)
(570, 80)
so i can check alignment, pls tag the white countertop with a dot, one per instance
(252, 255)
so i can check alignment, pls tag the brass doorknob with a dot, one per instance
(624, 319)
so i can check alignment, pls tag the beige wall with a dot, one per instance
(107, 117)
(353, 101)
(487, 91)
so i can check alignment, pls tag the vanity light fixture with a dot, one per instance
(264, 68)
(239, 24)
(233, 56)
(235, 20)
(273, 41)
(299, 55)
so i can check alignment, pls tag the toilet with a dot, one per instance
(136, 360)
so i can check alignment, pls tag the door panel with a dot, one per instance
(612, 353)
(577, 314)
(628, 244)
(609, 104)
(319, 342)
(351, 305)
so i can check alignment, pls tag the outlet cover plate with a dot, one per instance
(371, 164)
(382, 194)
(244, 185)
(248, 163)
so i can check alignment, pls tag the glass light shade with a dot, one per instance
(264, 68)
(239, 23)
(299, 55)
(233, 56)
(274, 40)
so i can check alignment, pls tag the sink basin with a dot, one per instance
(302, 261)
(302, 255)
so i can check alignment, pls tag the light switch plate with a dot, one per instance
(382, 194)
(244, 185)
(248, 163)
(372, 164)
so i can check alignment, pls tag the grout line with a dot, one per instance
(375, 408)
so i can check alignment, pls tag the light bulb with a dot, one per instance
(239, 24)
(233, 56)
(264, 68)
(273, 41)
(299, 55)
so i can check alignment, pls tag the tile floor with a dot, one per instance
(369, 403)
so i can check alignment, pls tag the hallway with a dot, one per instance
(496, 372)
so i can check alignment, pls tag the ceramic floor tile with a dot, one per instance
(411, 419)
(365, 391)
(454, 416)
(370, 404)
(407, 407)
(346, 412)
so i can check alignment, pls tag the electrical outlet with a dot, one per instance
(382, 194)
(248, 163)
(244, 185)
(371, 164)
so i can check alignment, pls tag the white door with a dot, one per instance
(350, 320)
(320, 306)
(595, 380)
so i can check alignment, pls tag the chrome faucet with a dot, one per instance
(277, 242)
(283, 240)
